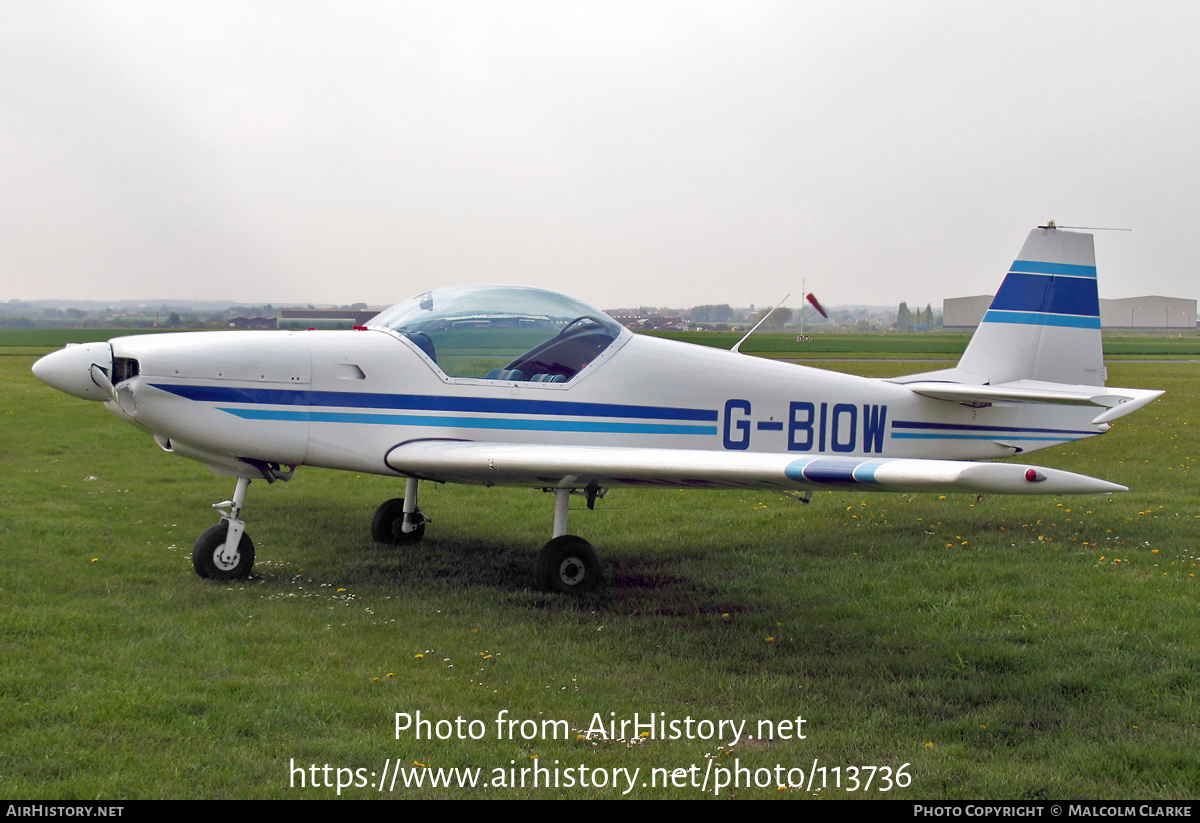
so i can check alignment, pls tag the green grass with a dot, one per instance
(514, 342)
(776, 344)
(913, 346)
(1005, 648)
(57, 338)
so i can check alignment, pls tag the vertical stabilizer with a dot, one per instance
(1044, 323)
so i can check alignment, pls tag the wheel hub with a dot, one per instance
(226, 562)
(572, 571)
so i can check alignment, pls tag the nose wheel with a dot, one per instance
(226, 552)
(212, 558)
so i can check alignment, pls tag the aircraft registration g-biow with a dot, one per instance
(514, 386)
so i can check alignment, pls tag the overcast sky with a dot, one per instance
(628, 153)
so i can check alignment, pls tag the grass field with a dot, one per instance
(764, 344)
(915, 346)
(1003, 648)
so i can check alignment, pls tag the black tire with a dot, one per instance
(568, 564)
(388, 522)
(205, 558)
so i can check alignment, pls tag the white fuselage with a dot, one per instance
(343, 399)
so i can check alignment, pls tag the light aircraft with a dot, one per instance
(514, 386)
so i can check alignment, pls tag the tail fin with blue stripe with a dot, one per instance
(1039, 342)
(1044, 322)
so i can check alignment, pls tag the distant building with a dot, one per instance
(655, 322)
(1151, 312)
(964, 314)
(628, 319)
(664, 323)
(254, 323)
(301, 318)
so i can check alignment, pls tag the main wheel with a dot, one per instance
(568, 564)
(387, 524)
(209, 559)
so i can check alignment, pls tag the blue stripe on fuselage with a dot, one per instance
(422, 402)
(924, 424)
(508, 423)
(967, 431)
(916, 436)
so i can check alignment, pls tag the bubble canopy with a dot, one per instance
(510, 333)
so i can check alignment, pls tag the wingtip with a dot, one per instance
(1136, 399)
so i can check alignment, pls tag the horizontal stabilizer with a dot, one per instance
(547, 466)
(1119, 402)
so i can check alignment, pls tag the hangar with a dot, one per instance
(1152, 312)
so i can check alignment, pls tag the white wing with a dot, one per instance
(549, 466)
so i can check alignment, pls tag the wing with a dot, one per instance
(553, 466)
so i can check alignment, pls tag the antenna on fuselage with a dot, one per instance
(759, 323)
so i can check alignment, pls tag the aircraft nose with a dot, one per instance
(70, 370)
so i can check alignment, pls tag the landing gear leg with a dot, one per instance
(562, 505)
(413, 521)
(567, 563)
(399, 522)
(226, 552)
